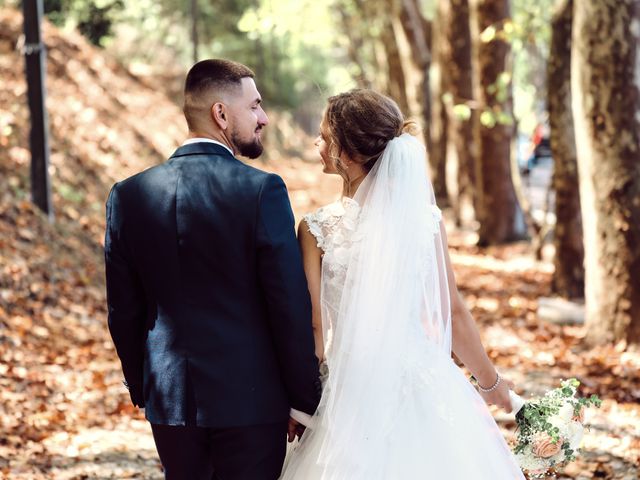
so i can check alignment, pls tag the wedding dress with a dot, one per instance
(394, 405)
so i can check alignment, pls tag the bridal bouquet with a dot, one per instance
(549, 429)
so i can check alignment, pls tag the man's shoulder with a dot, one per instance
(147, 182)
(254, 178)
(260, 175)
(152, 172)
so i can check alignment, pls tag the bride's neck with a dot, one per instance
(349, 187)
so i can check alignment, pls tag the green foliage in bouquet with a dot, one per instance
(546, 415)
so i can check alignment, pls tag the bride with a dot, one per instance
(387, 315)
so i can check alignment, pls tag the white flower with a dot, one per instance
(575, 432)
(566, 412)
(563, 417)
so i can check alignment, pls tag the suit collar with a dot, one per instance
(202, 148)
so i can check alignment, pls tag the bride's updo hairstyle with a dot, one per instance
(360, 123)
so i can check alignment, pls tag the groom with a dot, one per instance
(208, 304)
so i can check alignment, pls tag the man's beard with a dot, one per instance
(252, 149)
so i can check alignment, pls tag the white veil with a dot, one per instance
(394, 305)
(395, 405)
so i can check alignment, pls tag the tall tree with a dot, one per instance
(397, 87)
(606, 111)
(373, 46)
(194, 29)
(568, 278)
(418, 31)
(439, 118)
(356, 45)
(498, 209)
(453, 16)
(35, 69)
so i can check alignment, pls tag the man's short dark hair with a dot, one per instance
(209, 78)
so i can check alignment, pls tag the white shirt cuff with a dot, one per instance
(298, 416)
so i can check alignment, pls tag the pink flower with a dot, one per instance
(544, 447)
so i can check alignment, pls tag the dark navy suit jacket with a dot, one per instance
(208, 303)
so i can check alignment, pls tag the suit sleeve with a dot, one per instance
(125, 301)
(285, 288)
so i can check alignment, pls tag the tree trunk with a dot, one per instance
(418, 31)
(606, 111)
(194, 29)
(457, 68)
(355, 45)
(397, 84)
(35, 71)
(498, 209)
(568, 279)
(439, 120)
(371, 21)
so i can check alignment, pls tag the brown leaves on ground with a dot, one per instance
(63, 410)
(502, 286)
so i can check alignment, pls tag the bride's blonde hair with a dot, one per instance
(360, 123)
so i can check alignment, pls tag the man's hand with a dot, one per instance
(296, 429)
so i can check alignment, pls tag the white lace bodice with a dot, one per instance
(334, 228)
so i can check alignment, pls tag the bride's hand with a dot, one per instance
(500, 396)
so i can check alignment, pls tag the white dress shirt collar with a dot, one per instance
(189, 141)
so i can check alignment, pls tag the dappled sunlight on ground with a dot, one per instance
(124, 451)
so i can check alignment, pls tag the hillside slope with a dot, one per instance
(58, 372)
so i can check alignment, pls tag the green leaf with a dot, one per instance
(488, 119)
(462, 111)
(504, 118)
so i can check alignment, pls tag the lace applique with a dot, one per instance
(436, 217)
(333, 227)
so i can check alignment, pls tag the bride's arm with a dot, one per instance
(466, 342)
(312, 262)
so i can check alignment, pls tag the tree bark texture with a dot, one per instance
(418, 31)
(568, 278)
(397, 84)
(454, 21)
(355, 45)
(605, 73)
(439, 121)
(498, 210)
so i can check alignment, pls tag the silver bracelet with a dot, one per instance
(492, 387)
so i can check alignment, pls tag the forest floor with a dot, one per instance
(64, 413)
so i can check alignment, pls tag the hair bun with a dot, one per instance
(361, 123)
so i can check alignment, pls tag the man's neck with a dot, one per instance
(220, 138)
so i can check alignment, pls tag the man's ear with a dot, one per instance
(219, 114)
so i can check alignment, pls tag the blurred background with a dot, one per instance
(530, 113)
